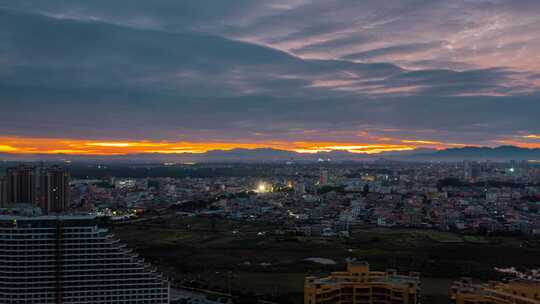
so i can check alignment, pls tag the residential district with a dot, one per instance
(53, 249)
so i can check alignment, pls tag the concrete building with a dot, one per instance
(3, 193)
(68, 259)
(45, 187)
(54, 191)
(360, 285)
(323, 178)
(513, 292)
(21, 185)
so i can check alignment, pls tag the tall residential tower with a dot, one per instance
(21, 185)
(45, 187)
(3, 193)
(53, 190)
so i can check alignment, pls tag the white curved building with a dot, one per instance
(68, 259)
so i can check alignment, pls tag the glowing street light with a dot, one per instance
(262, 188)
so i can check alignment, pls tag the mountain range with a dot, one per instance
(501, 153)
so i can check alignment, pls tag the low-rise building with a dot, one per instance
(514, 292)
(361, 285)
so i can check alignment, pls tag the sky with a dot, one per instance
(169, 76)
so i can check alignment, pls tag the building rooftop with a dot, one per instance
(7, 217)
(360, 270)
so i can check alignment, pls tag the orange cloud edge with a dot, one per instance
(32, 145)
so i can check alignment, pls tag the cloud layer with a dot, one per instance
(367, 72)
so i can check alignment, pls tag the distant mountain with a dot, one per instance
(234, 155)
(502, 153)
(407, 152)
(247, 154)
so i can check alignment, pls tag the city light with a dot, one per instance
(262, 187)
(268, 151)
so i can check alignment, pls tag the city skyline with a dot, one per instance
(273, 152)
(307, 76)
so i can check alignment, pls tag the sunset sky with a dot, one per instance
(133, 76)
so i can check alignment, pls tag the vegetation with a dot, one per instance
(219, 254)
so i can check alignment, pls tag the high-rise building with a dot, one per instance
(21, 185)
(68, 259)
(300, 188)
(467, 170)
(53, 189)
(323, 178)
(516, 291)
(45, 187)
(3, 193)
(360, 285)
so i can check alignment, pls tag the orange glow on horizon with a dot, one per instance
(24, 145)
(436, 144)
(6, 148)
(31, 145)
(422, 142)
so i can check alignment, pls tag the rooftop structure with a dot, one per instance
(513, 292)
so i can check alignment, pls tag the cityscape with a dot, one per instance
(329, 215)
(272, 152)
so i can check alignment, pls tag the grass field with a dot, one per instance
(208, 250)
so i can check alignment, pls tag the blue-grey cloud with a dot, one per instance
(333, 44)
(392, 50)
(187, 69)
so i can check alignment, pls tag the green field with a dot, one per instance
(208, 251)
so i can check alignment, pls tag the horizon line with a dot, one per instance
(21, 146)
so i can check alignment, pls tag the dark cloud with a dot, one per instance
(174, 70)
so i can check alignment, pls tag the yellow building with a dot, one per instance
(513, 292)
(359, 285)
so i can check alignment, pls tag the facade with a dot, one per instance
(21, 185)
(45, 187)
(54, 190)
(323, 178)
(3, 193)
(68, 259)
(359, 285)
(513, 292)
